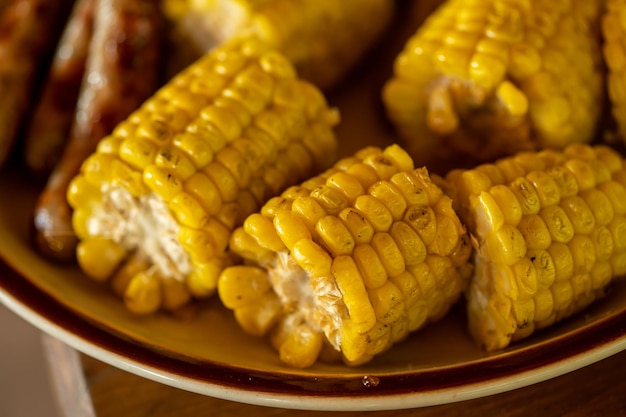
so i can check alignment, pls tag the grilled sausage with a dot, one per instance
(29, 30)
(50, 125)
(121, 72)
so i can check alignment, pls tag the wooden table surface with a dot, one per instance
(86, 387)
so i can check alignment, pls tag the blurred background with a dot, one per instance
(25, 389)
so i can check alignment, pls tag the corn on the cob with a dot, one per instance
(614, 53)
(549, 230)
(155, 205)
(351, 260)
(483, 79)
(323, 38)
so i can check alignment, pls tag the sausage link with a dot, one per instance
(51, 122)
(29, 31)
(121, 72)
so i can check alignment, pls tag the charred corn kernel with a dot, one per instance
(509, 85)
(614, 47)
(554, 253)
(188, 167)
(322, 56)
(346, 267)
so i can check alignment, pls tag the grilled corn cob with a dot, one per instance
(484, 79)
(614, 52)
(323, 38)
(351, 260)
(155, 204)
(549, 230)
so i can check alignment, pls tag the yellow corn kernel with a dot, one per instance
(546, 188)
(262, 229)
(81, 192)
(514, 101)
(290, 229)
(309, 210)
(389, 195)
(508, 204)
(347, 184)
(331, 199)
(558, 223)
(188, 211)
(174, 294)
(259, 316)
(137, 152)
(526, 195)
(335, 236)
(389, 253)
(202, 281)
(312, 258)
(535, 231)
(99, 257)
(370, 265)
(301, 347)
(410, 245)
(202, 188)
(388, 302)
(143, 293)
(374, 212)
(240, 285)
(162, 182)
(423, 220)
(616, 193)
(349, 282)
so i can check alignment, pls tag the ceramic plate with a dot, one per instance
(205, 352)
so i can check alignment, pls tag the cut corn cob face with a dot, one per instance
(614, 52)
(483, 79)
(549, 230)
(323, 38)
(349, 262)
(155, 205)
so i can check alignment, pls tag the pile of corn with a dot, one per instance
(226, 180)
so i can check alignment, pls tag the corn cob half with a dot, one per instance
(550, 234)
(154, 206)
(349, 262)
(614, 52)
(483, 79)
(323, 38)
